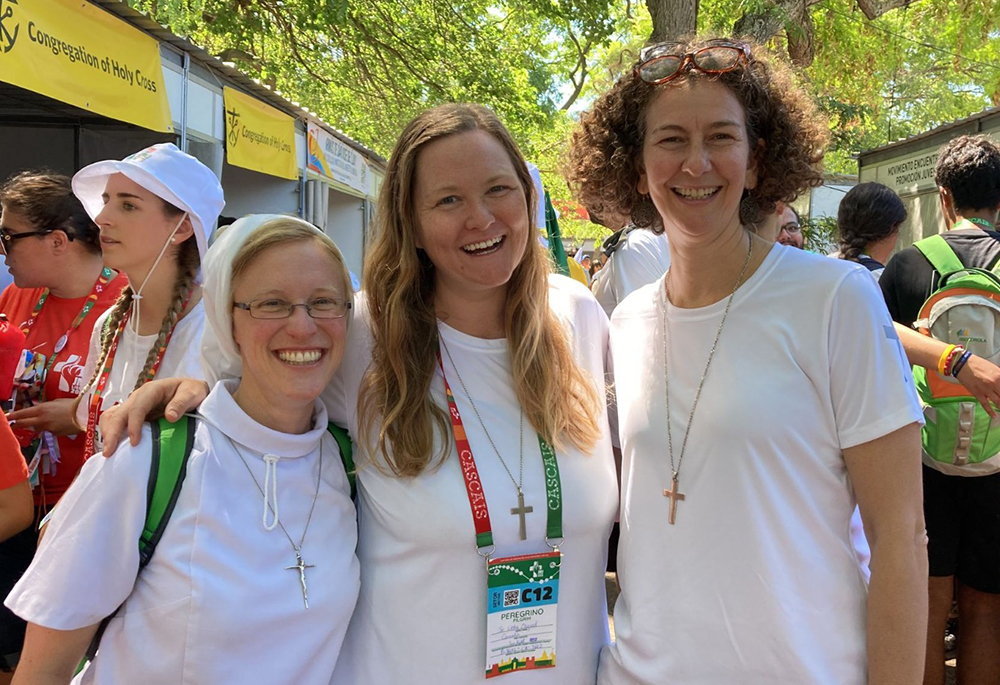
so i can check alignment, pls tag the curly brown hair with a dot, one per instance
(969, 167)
(601, 166)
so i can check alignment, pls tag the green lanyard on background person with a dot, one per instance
(102, 281)
(972, 222)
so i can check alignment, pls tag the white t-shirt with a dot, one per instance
(641, 259)
(421, 616)
(757, 582)
(181, 360)
(216, 603)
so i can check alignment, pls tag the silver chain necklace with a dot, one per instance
(299, 565)
(520, 510)
(674, 492)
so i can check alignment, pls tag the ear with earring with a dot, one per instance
(643, 212)
(749, 209)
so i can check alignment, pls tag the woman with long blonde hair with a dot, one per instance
(473, 383)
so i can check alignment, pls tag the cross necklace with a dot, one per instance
(520, 510)
(673, 492)
(299, 564)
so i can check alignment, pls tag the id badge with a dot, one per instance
(36, 460)
(521, 601)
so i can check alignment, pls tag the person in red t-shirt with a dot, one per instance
(17, 540)
(61, 287)
(16, 511)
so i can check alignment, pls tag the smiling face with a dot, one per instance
(789, 229)
(134, 225)
(472, 213)
(696, 159)
(287, 363)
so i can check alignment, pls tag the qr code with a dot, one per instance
(511, 598)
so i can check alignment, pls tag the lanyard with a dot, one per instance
(94, 410)
(474, 486)
(970, 221)
(95, 292)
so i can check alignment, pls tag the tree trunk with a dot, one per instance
(790, 15)
(672, 19)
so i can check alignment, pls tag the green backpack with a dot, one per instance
(172, 444)
(959, 435)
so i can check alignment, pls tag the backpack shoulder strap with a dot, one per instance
(869, 263)
(172, 444)
(939, 253)
(616, 240)
(343, 439)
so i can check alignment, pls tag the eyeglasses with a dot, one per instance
(320, 308)
(7, 239)
(663, 62)
(790, 227)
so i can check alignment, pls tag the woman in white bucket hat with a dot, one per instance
(155, 210)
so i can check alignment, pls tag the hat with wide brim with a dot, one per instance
(168, 173)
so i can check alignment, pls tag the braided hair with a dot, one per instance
(188, 263)
(869, 212)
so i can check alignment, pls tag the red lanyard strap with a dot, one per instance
(94, 410)
(474, 486)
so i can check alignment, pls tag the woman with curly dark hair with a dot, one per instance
(747, 424)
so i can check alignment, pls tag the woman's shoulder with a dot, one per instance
(810, 269)
(572, 300)
(14, 300)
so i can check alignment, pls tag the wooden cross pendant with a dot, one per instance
(301, 567)
(674, 494)
(521, 510)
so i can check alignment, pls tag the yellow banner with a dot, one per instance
(259, 137)
(78, 53)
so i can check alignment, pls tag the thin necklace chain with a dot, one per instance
(520, 474)
(675, 470)
(319, 479)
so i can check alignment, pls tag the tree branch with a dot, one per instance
(581, 67)
(873, 9)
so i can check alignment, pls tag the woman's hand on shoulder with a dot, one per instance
(169, 397)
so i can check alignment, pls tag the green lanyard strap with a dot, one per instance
(474, 486)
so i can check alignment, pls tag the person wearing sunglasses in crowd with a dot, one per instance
(747, 422)
(255, 576)
(474, 385)
(61, 287)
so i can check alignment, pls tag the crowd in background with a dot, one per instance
(342, 481)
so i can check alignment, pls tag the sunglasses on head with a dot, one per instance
(664, 62)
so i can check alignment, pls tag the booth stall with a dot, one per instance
(907, 166)
(82, 81)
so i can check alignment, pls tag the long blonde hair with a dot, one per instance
(395, 405)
